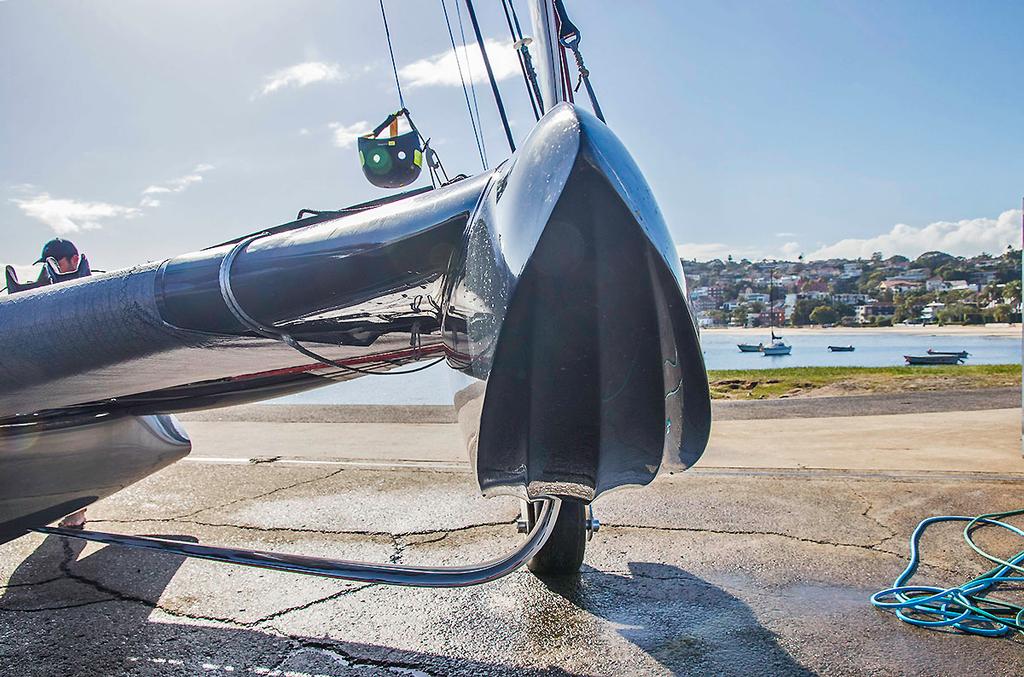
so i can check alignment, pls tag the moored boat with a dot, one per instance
(750, 347)
(777, 348)
(958, 353)
(932, 359)
(841, 349)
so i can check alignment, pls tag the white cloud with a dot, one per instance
(959, 238)
(345, 135)
(785, 234)
(179, 184)
(70, 216)
(301, 75)
(443, 69)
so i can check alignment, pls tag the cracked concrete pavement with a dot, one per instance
(753, 570)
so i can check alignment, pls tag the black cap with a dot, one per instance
(58, 249)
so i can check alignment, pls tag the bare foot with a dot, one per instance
(74, 520)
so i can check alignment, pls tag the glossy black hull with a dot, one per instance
(571, 306)
(552, 282)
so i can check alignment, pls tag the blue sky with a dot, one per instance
(145, 129)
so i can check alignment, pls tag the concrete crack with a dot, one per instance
(867, 514)
(350, 660)
(220, 506)
(744, 532)
(442, 533)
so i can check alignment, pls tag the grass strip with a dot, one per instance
(758, 384)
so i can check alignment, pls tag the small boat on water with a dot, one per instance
(840, 349)
(778, 347)
(960, 354)
(933, 359)
(750, 347)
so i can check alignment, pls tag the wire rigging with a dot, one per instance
(465, 91)
(490, 75)
(391, 51)
(472, 81)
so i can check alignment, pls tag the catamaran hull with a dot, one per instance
(570, 307)
(552, 283)
(53, 469)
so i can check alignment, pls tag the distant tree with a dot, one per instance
(883, 321)
(739, 315)
(1002, 313)
(802, 312)
(932, 260)
(876, 257)
(844, 310)
(824, 315)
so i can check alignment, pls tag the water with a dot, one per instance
(874, 349)
(810, 349)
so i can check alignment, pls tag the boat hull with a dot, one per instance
(570, 312)
(53, 468)
(932, 359)
(750, 348)
(552, 283)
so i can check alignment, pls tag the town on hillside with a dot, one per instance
(934, 288)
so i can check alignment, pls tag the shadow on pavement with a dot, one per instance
(55, 619)
(685, 623)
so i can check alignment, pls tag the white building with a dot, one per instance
(851, 270)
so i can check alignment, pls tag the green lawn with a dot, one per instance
(756, 384)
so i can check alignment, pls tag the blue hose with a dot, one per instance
(967, 607)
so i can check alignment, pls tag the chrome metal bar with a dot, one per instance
(366, 572)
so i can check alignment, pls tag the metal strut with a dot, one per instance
(364, 572)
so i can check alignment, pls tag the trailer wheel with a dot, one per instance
(562, 554)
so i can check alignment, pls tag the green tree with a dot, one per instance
(824, 315)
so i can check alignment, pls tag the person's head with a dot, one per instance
(62, 251)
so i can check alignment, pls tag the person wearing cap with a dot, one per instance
(64, 252)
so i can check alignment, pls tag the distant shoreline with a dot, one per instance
(931, 330)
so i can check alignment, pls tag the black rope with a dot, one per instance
(490, 75)
(465, 91)
(517, 43)
(526, 56)
(391, 51)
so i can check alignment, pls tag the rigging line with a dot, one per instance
(490, 76)
(465, 91)
(518, 45)
(472, 82)
(526, 57)
(391, 51)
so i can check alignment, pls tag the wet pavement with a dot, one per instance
(752, 571)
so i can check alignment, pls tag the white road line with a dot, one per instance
(427, 465)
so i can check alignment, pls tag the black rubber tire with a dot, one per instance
(562, 554)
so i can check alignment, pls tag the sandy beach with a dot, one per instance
(931, 330)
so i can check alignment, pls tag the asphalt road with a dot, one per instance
(758, 570)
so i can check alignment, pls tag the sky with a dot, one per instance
(143, 129)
